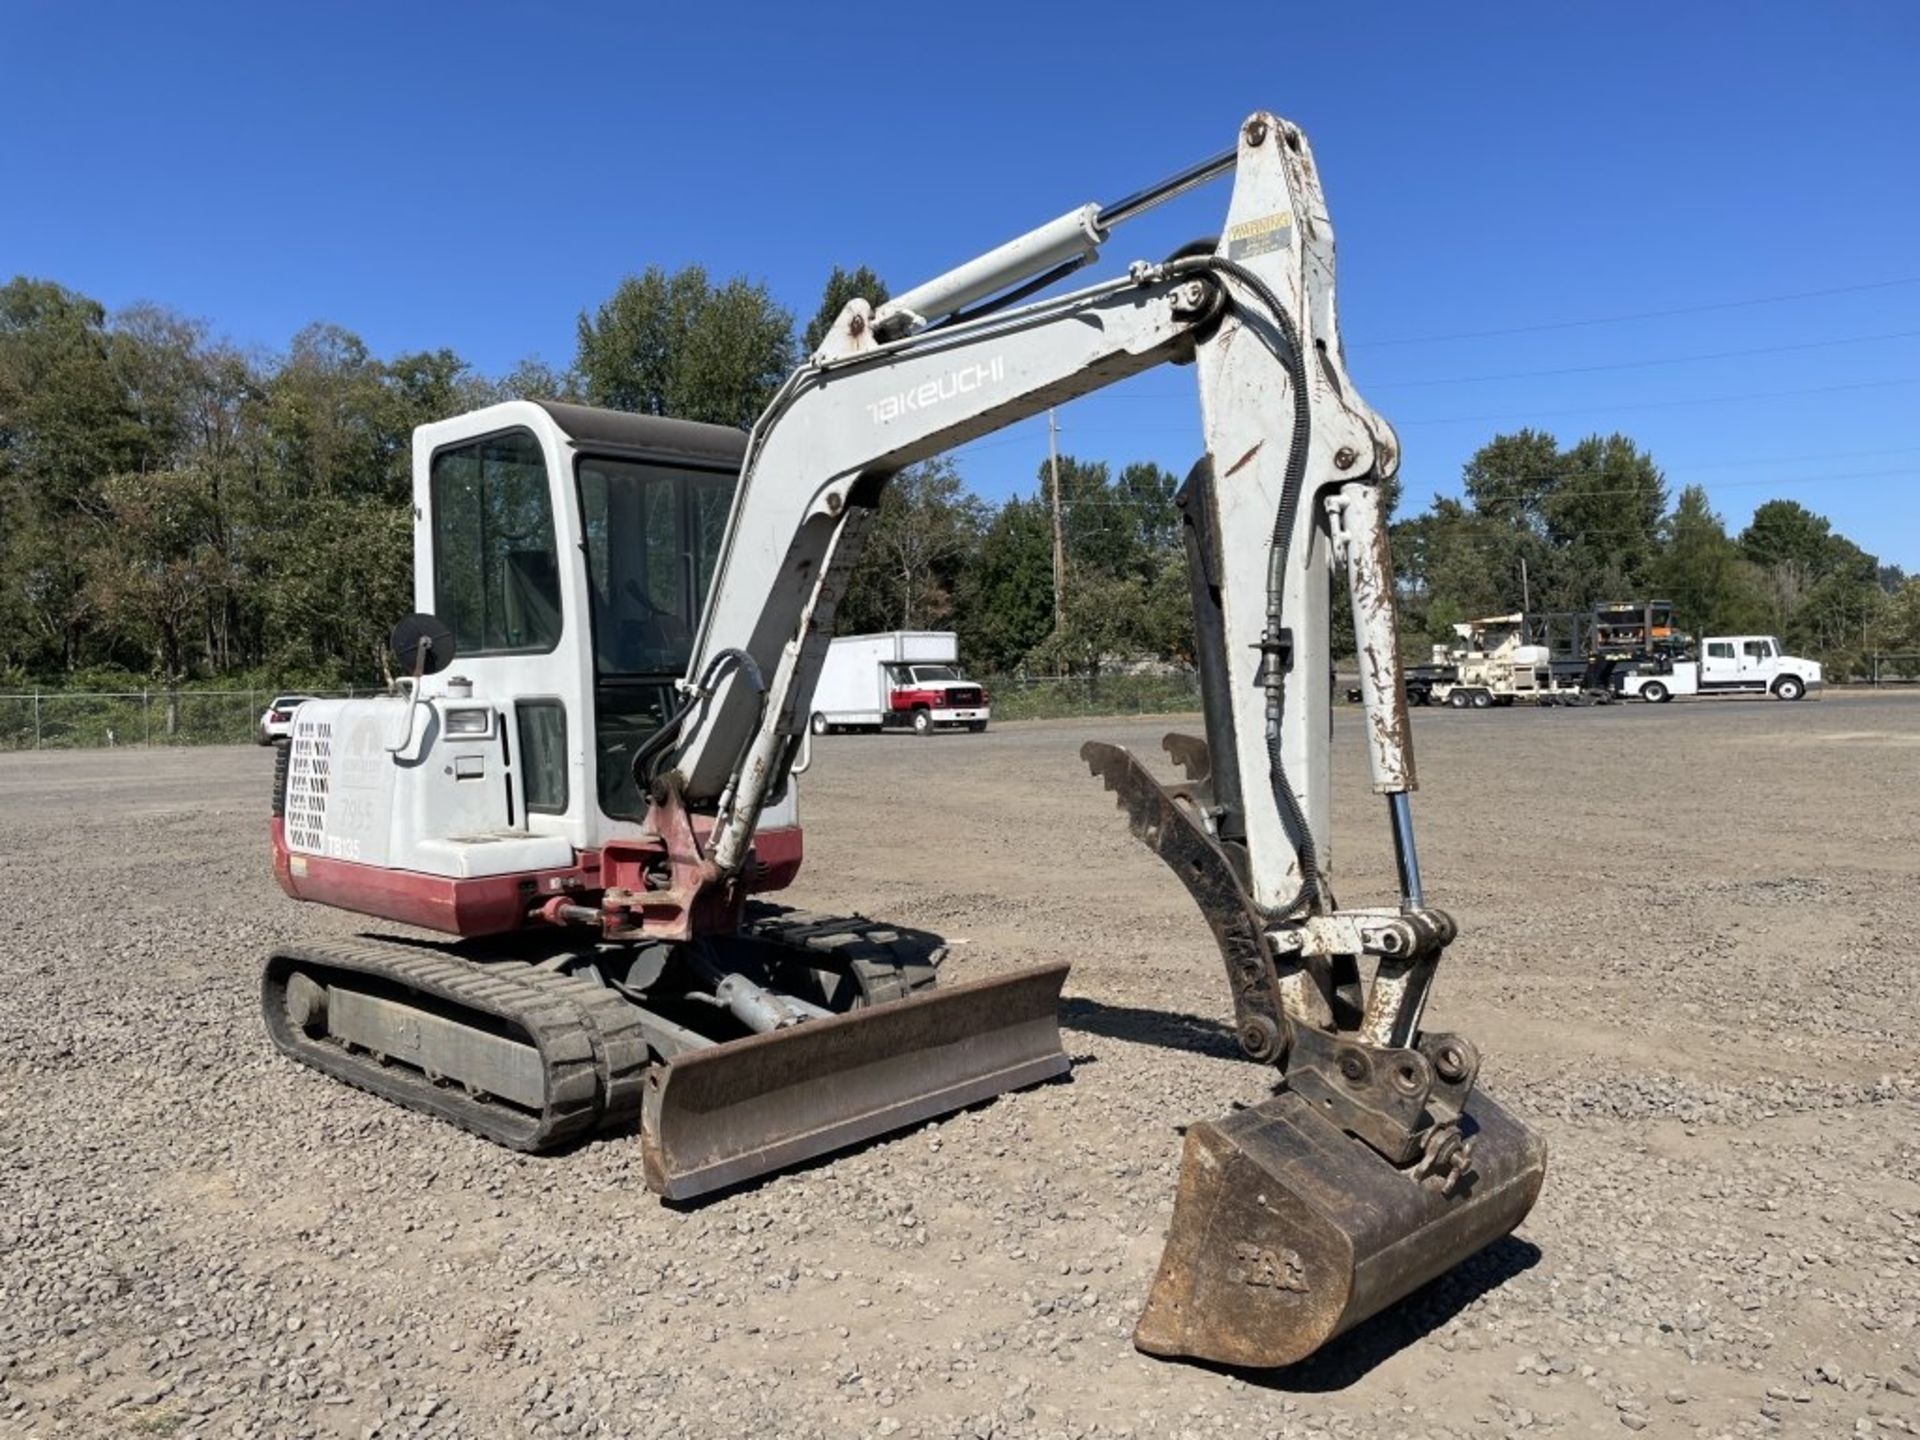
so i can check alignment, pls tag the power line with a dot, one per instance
(1644, 314)
(1797, 459)
(1661, 404)
(1602, 408)
(1565, 475)
(1641, 364)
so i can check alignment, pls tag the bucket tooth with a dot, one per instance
(1287, 1231)
(1191, 754)
(728, 1113)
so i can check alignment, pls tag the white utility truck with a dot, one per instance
(1730, 665)
(903, 679)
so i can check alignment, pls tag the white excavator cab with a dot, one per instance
(570, 550)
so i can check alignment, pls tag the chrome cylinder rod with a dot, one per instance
(1404, 855)
(1165, 190)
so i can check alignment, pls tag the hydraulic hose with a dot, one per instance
(734, 658)
(1292, 819)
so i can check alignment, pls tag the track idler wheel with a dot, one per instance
(1287, 1230)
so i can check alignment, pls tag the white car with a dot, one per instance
(276, 723)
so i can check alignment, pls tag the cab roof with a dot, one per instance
(719, 447)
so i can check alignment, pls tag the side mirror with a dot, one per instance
(422, 644)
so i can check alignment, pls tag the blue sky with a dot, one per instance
(473, 175)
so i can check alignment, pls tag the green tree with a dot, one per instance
(1097, 538)
(1453, 563)
(534, 379)
(1714, 588)
(1898, 629)
(1603, 519)
(1166, 616)
(677, 345)
(1785, 532)
(1004, 599)
(1103, 620)
(1511, 477)
(919, 540)
(65, 425)
(842, 286)
(1822, 591)
(339, 581)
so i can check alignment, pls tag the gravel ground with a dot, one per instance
(1679, 952)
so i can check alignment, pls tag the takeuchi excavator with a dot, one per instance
(586, 783)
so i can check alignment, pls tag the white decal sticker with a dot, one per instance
(928, 393)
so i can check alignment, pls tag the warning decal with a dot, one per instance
(1260, 237)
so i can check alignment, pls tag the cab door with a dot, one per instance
(488, 562)
(1719, 663)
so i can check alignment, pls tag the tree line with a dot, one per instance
(176, 509)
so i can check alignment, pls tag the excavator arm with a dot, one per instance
(1375, 1166)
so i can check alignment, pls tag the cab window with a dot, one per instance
(1720, 650)
(652, 536)
(496, 573)
(1758, 649)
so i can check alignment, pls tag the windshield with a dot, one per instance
(935, 672)
(652, 536)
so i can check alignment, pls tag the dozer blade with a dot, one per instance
(717, 1116)
(1287, 1231)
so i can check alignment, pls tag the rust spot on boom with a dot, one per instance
(1242, 462)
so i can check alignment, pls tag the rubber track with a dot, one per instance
(887, 964)
(619, 1042)
(587, 1037)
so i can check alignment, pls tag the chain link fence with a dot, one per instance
(1880, 669)
(73, 719)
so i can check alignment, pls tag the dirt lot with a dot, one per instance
(1686, 949)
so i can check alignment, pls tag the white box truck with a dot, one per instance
(904, 679)
(1730, 665)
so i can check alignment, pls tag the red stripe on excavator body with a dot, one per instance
(482, 904)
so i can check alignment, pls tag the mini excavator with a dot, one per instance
(589, 813)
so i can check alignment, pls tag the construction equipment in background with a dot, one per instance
(639, 609)
(1555, 657)
(1495, 662)
(1635, 631)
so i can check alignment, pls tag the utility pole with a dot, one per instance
(1059, 544)
(1526, 597)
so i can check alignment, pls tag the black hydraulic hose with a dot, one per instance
(1010, 297)
(658, 741)
(1292, 819)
